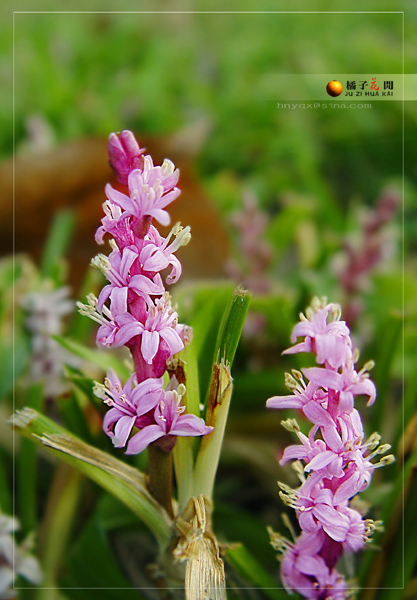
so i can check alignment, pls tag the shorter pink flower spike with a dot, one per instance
(334, 467)
(125, 155)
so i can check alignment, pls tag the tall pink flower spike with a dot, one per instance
(333, 461)
(134, 309)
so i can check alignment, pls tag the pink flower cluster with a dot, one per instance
(134, 309)
(333, 461)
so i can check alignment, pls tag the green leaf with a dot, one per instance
(125, 482)
(82, 383)
(57, 244)
(6, 505)
(58, 525)
(386, 344)
(94, 573)
(14, 357)
(211, 306)
(104, 360)
(410, 400)
(231, 327)
(73, 416)
(27, 469)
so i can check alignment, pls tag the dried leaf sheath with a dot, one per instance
(204, 572)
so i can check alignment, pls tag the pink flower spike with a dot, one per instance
(125, 155)
(337, 466)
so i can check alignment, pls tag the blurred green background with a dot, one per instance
(156, 73)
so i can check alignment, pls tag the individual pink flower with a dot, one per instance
(127, 403)
(169, 422)
(305, 569)
(302, 395)
(150, 191)
(160, 327)
(324, 334)
(115, 225)
(157, 254)
(117, 269)
(348, 384)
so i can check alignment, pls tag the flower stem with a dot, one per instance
(160, 476)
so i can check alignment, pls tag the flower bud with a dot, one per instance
(125, 155)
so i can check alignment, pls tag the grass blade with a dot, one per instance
(115, 476)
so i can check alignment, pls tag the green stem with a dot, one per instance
(184, 470)
(186, 447)
(217, 410)
(160, 476)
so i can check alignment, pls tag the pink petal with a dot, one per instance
(295, 452)
(324, 378)
(126, 333)
(302, 329)
(150, 345)
(168, 198)
(148, 396)
(301, 347)
(284, 402)
(347, 489)
(110, 418)
(346, 402)
(317, 414)
(321, 460)
(160, 215)
(312, 565)
(333, 523)
(307, 521)
(188, 425)
(128, 258)
(118, 301)
(155, 261)
(104, 294)
(367, 388)
(172, 338)
(122, 431)
(142, 284)
(119, 199)
(141, 440)
(332, 349)
(331, 437)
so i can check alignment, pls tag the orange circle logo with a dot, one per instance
(334, 88)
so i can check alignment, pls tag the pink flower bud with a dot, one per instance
(125, 155)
